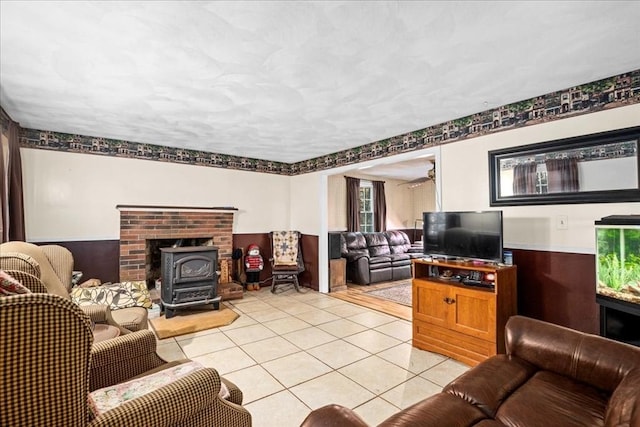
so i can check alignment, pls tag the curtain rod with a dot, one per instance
(384, 182)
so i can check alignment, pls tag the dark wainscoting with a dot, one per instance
(100, 258)
(558, 287)
(97, 259)
(309, 278)
(262, 240)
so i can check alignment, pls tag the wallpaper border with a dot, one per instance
(609, 93)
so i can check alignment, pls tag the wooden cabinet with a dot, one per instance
(460, 308)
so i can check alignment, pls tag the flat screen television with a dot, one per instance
(475, 235)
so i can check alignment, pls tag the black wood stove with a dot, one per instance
(189, 277)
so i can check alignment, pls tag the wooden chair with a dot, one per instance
(287, 262)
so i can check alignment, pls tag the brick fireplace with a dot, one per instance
(138, 224)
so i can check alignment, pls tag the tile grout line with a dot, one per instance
(316, 314)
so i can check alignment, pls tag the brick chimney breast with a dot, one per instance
(138, 224)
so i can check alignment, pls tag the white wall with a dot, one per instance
(424, 200)
(71, 196)
(465, 184)
(606, 174)
(309, 216)
(305, 203)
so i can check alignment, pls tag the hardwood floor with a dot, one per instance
(357, 294)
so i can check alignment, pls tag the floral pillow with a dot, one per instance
(139, 293)
(116, 295)
(104, 399)
(10, 286)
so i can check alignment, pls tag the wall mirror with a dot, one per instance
(597, 168)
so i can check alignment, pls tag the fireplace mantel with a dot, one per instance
(154, 208)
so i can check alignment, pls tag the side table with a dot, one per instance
(337, 275)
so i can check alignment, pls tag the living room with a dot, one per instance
(68, 200)
(71, 195)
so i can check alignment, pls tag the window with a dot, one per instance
(366, 206)
(541, 181)
(542, 186)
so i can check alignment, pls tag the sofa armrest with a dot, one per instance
(332, 416)
(358, 270)
(354, 257)
(101, 313)
(624, 406)
(194, 396)
(439, 410)
(591, 359)
(122, 358)
(235, 394)
(489, 384)
(30, 281)
(98, 313)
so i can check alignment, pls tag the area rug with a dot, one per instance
(400, 294)
(193, 319)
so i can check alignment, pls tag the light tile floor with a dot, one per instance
(292, 352)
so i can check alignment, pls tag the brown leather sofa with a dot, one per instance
(549, 376)
(378, 257)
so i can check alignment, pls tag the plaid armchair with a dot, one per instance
(53, 265)
(49, 367)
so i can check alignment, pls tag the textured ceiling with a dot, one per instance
(290, 81)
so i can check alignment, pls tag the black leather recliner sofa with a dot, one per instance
(378, 257)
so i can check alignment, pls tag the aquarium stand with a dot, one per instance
(619, 320)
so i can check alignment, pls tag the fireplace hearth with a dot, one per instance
(188, 277)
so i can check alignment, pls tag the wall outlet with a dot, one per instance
(562, 222)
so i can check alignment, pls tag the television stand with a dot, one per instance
(460, 308)
(443, 258)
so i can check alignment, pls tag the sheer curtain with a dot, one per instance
(562, 175)
(11, 201)
(353, 204)
(379, 207)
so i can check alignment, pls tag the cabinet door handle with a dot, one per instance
(449, 300)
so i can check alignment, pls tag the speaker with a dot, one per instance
(334, 245)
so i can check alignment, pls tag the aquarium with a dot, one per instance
(618, 258)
